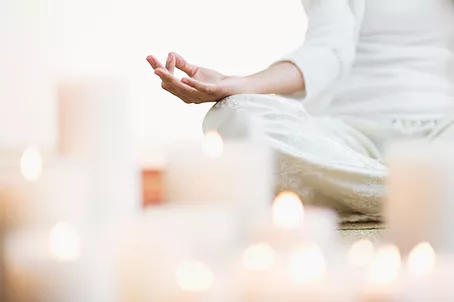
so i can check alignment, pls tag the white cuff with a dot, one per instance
(319, 66)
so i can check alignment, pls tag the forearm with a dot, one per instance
(280, 78)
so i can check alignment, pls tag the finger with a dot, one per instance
(184, 97)
(200, 86)
(154, 62)
(184, 66)
(170, 63)
(176, 87)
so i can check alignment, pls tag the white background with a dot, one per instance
(41, 39)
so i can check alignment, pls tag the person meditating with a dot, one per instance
(369, 72)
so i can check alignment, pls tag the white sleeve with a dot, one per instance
(330, 45)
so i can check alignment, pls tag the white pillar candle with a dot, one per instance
(36, 196)
(428, 276)
(172, 253)
(420, 206)
(94, 126)
(287, 260)
(61, 263)
(213, 171)
(382, 282)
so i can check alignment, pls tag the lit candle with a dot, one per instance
(31, 164)
(381, 283)
(361, 253)
(175, 249)
(292, 223)
(62, 263)
(422, 279)
(287, 262)
(39, 196)
(236, 174)
(421, 260)
(257, 273)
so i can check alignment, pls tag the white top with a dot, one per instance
(378, 57)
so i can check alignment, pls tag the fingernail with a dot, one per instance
(169, 57)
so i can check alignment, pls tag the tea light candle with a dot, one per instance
(428, 276)
(382, 279)
(361, 254)
(420, 206)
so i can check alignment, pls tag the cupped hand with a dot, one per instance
(202, 85)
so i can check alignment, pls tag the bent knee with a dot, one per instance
(244, 114)
(232, 116)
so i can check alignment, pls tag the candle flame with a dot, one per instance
(258, 257)
(307, 264)
(31, 164)
(288, 210)
(213, 146)
(361, 253)
(386, 266)
(194, 276)
(421, 260)
(64, 243)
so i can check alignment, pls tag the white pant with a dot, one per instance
(336, 162)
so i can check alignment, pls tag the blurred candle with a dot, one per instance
(307, 264)
(292, 224)
(423, 282)
(288, 211)
(31, 164)
(61, 263)
(235, 174)
(307, 278)
(61, 192)
(421, 260)
(213, 145)
(64, 242)
(361, 253)
(194, 276)
(420, 181)
(177, 250)
(259, 257)
(382, 277)
(94, 128)
(257, 273)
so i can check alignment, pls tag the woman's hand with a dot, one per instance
(202, 85)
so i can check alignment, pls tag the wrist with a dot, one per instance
(246, 85)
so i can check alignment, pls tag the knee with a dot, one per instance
(231, 116)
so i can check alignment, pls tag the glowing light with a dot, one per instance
(213, 146)
(361, 253)
(386, 266)
(258, 257)
(194, 276)
(421, 260)
(31, 164)
(64, 243)
(288, 210)
(307, 264)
